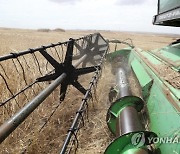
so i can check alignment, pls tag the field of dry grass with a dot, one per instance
(95, 136)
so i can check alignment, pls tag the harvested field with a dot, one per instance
(94, 137)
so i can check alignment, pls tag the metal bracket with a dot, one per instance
(93, 48)
(66, 67)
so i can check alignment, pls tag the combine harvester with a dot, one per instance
(144, 115)
(150, 121)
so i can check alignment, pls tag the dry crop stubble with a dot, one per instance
(95, 136)
(27, 137)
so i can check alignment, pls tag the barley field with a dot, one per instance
(31, 137)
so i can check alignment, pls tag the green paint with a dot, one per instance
(124, 52)
(124, 144)
(162, 99)
(144, 79)
(170, 55)
(164, 119)
(163, 110)
(116, 108)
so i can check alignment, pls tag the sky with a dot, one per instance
(118, 15)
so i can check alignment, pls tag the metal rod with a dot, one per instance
(74, 127)
(10, 125)
(78, 115)
(80, 60)
(122, 83)
(75, 122)
(128, 120)
(27, 87)
(32, 50)
(15, 55)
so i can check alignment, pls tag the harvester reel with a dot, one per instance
(94, 47)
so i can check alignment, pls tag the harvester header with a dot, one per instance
(143, 111)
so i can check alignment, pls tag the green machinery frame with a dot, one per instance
(157, 72)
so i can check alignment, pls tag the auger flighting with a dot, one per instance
(123, 116)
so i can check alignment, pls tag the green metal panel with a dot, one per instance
(161, 97)
(155, 64)
(164, 120)
(116, 108)
(166, 5)
(123, 144)
(144, 79)
(163, 105)
(170, 55)
(124, 52)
